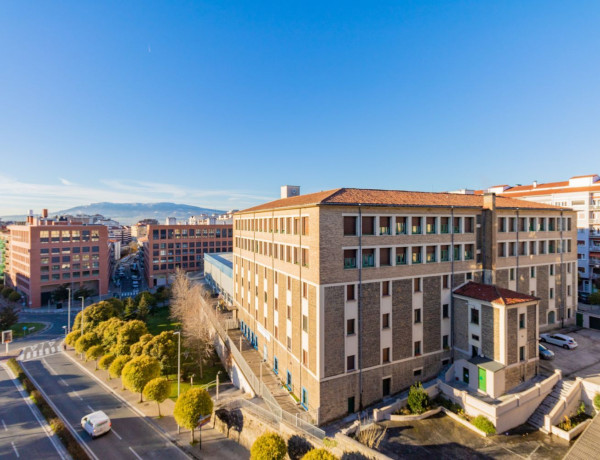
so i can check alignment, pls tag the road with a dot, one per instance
(75, 394)
(21, 434)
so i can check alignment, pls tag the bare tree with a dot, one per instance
(186, 306)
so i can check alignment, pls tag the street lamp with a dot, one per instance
(69, 311)
(65, 328)
(218, 373)
(178, 334)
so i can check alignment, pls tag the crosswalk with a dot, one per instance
(40, 350)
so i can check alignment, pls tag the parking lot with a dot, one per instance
(583, 361)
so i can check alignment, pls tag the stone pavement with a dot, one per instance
(214, 444)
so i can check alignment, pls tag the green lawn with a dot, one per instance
(209, 374)
(161, 321)
(18, 328)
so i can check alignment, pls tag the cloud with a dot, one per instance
(18, 196)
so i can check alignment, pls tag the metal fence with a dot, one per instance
(298, 420)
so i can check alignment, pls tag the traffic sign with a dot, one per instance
(203, 420)
(7, 336)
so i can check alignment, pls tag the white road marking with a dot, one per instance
(63, 382)
(135, 453)
(4, 425)
(17, 452)
(52, 371)
(28, 355)
(53, 350)
(77, 394)
(116, 434)
(90, 408)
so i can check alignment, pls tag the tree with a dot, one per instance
(106, 361)
(95, 314)
(595, 298)
(6, 292)
(163, 347)
(61, 293)
(129, 308)
(129, 333)
(108, 331)
(137, 349)
(418, 399)
(72, 337)
(319, 454)
(83, 292)
(9, 316)
(116, 367)
(117, 304)
(87, 340)
(158, 390)
(268, 446)
(143, 309)
(14, 296)
(190, 406)
(138, 372)
(94, 352)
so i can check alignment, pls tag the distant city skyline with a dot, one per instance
(219, 105)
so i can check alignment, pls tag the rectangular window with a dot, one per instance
(456, 252)
(521, 353)
(474, 316)
(417, 372)
(445, 253)
(350, 225)
(522, 321)
(532, 224)
(456, 225)
(384, 256)
(532, 248)
(384, 226)
(417, 348)
(445, 311)
(400, 256)
(350, 363)
(304, 290)
(350, 292)
(430, 225)
(400, 225)
(445, 343)
(304, 257)
(350, 258)
(469, 227)
(350, 327)
(551, 295)
(385, 355)
(512, 274)
(416, 228)
(289, 312)
(430, 254)
(444, 225)
(385, 288)
(417, 316)
(445, 281)
(532, 270)
(305, 226)
(417, 285)
(502, 224)
(368, 258)
(385, 321)
(305, 323)
(469, 252)
(416, 254)
(368, 225)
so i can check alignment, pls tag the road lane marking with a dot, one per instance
(52, 371)
(77, 394)
(17, 452)
(63, 382)
(4, 425)
(135, 453)
(90, 408)
(28, 355)
(116, 434)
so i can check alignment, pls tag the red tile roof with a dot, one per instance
(400, 198)
(492, 293)
(551, 191)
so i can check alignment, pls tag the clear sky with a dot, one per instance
(217, 104)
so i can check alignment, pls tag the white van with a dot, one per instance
(96, 423)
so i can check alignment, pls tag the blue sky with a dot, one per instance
(217, 104)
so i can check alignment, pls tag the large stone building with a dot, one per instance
(347, 293)
(44, 254)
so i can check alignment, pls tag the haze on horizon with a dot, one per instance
(219, 105)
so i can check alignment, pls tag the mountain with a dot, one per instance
(130, 213)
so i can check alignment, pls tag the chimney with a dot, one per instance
(288, 191)
(534, 184)
(44, 213)
(489, 201)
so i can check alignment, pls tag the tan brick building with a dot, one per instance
(347, 293)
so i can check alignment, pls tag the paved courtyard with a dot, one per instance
(583, 361)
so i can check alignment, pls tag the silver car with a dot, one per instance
(96, 423)
(562, 340)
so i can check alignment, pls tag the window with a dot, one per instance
(416, 254)
(456, 252)
(417, 285)
(445, 311)
(304, 290)
(445, 225)
(430, 225)
(468, 251)
(385, 288)
(512, 274)
(475, 337)
(305, 226)
(305, 323)
(502, 224)
(569, 290)
(385, 255)
(385, 321)
(416, 225)
(400, 225)
(368, 225)
(551, 293)
(384, 226)
(417, 348)
(368, 258)
(304, 398)
(350, 292)
(474, 316)
(350, 258)
(446, 281)
(532, 247)
(417, 315)
(445, 343)
(289, 312)
(469, 227)
(304, 257)
(289, 343)
(350, 363)
(522, 321)
(304, 357)
(430, 254)
(532, 272)
(349, 225)
(385, 355)
(417, 372)
(445, 253)
(400, 256)
(456, 225)
(521, 353)
(350, 324)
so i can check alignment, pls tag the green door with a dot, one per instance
(482, 377)
(579, 317)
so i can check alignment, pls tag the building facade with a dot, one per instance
(348, 293)
(168, 247)
(581, 193)
(44, 254)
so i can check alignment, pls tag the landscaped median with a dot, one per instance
(57, 425)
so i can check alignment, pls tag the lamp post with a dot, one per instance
(65, 328)
(69, 311)
(218, 385)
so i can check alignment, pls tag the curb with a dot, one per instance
(149, 421)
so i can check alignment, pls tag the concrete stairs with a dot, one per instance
(560, 389)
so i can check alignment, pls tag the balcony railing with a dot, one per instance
(384, 230)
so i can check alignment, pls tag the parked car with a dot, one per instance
(545, 353)
(96, 423)
(561, 340)
(583, 297)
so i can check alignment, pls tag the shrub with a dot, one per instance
(418, 400)
(6, 292)
(268, 446)
(319, 454)
(298, 447)
(117, 366)
(14, 296)
(566, 424)
(192, 405)
(597, 401)
(484, 424)
(595, 298)
(72, 337)
(581, 408)
(106, 361)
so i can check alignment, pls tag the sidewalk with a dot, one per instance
(214, 444)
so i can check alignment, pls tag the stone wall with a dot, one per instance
(432, 314)
(512, 331)
(488, 339)
(461, 324)
(543, 292)
(401, 319)
(334, 324)
(370, 326)
(523, 280)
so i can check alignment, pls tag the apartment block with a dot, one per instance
(348, 293)
(168, 247)
(582, 194)
(44, 254)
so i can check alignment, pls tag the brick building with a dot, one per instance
(167, 247)
(347, 293)
(44, 254)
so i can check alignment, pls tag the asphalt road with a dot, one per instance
(21, 435)
(76, 394)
